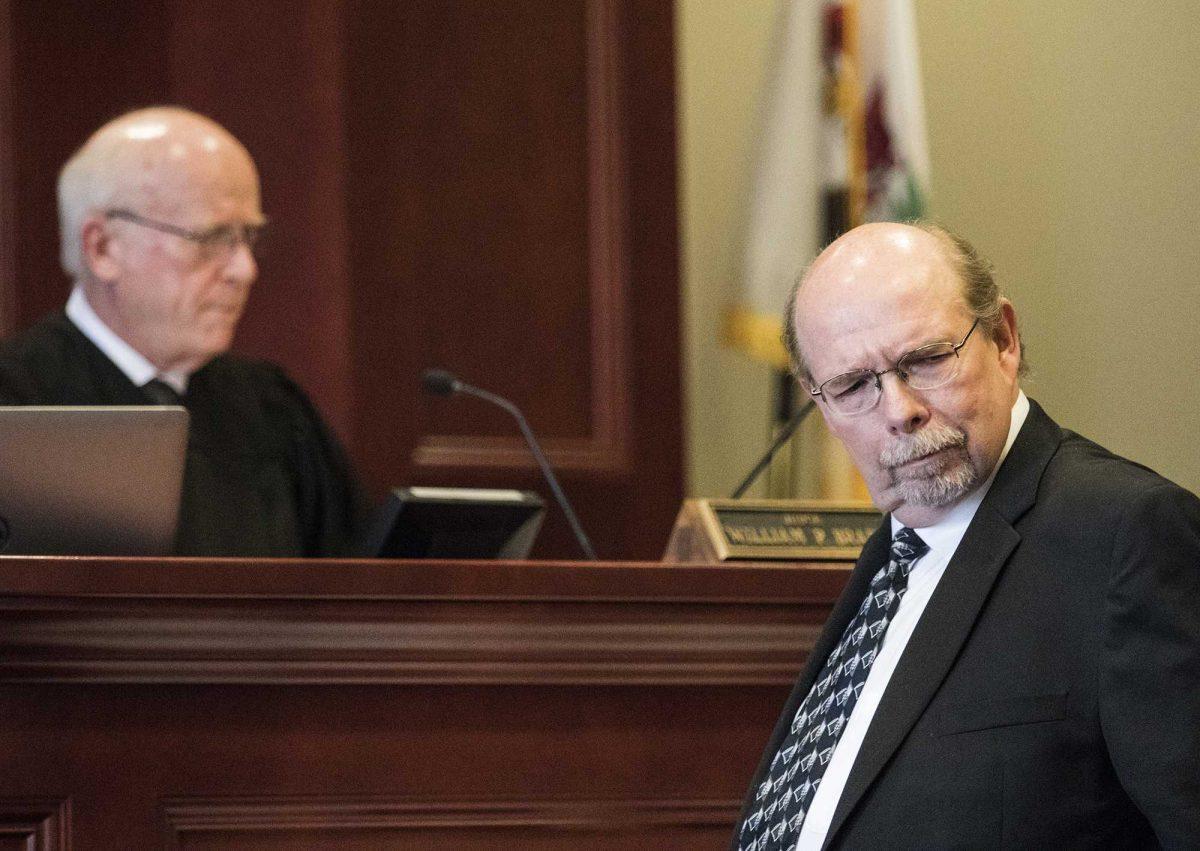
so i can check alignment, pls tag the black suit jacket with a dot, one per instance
(1050, 694)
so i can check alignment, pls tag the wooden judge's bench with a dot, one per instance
(205, 704)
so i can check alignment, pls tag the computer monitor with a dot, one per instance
(90, 480)
(467, 523)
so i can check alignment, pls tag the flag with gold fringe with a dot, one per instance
(783, 222)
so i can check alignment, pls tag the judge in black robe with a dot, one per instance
(158, 212)
(264, 475)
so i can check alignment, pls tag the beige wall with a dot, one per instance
(721, 49)
(1063, 141)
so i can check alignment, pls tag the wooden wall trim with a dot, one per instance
(185, 816)
(43, 823)
(607, 450)
(563, 625)
(608, 239)
(8, 221)
(603, 455)
(400, 643)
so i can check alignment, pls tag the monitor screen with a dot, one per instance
(467, 523)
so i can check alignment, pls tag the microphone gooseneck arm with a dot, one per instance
(442, 383)
(784, 434)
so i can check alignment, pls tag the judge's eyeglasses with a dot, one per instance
(217, 240)
(926, 368)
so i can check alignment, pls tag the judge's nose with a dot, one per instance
(903, 408)
(241, 267)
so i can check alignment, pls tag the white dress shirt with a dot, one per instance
(127, 359)
(943, 538)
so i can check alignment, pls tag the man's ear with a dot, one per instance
(101, 252)
(1008, 338)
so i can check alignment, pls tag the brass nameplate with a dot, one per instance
(787, 529)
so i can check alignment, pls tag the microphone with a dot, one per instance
(439, 382)
(786, 432)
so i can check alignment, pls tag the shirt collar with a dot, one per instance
(126, 358)
(950, 528)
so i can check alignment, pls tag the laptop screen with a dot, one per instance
(90, 480)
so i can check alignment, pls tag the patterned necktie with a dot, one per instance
(782, 800)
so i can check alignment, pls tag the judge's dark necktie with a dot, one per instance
(162, 393)
(782, 800)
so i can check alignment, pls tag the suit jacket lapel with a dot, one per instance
(954, 607)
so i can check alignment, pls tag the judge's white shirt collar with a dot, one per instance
(126, 358)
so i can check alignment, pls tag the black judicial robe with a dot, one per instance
(264, 475)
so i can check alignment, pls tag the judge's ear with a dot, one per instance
(101, 251)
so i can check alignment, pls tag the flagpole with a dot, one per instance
(853, 107)
(839, 480)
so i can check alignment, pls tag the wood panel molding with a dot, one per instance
(536, 624)
(38, 824)
(184, 816)
(8, 269)
(265, 736)
(607, 450)
(604, 455)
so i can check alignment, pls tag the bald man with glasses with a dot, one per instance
(1015, 662)
(159, 212)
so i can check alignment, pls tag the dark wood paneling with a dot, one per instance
(75, 66)
(590, 186)
(373, 822)
(271, 72)
(242, 704)
(8, 245)
(589, 340)
(487, 187)
(468, 152)
(31, 824)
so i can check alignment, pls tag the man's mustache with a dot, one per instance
(924, 442)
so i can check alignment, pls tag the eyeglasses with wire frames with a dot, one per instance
(926, 368)
(219, 239)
